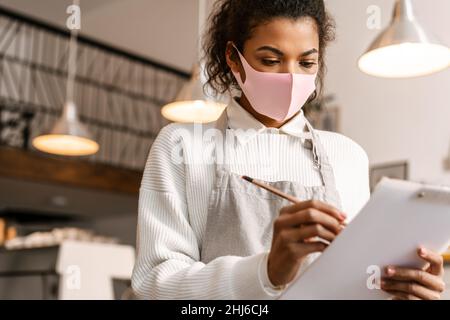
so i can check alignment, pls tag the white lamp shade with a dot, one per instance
(405, 60)
(65, 145)
(69, 137)
(404, 49)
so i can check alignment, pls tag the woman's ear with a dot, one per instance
(233, 60)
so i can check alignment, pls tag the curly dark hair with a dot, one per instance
(234, 20)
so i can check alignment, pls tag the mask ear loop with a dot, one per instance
(238, 55)
(237, 50)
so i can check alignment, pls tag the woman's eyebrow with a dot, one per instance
(269, 48)
(309, 52)
(280, 53)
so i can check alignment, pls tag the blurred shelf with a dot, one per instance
(35, 166)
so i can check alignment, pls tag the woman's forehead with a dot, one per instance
(288, 35)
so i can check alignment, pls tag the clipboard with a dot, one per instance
(399, 217)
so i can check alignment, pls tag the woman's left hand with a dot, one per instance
(416, 284)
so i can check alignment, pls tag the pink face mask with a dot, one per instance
(276, 95)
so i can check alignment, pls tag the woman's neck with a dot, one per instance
(268, 122)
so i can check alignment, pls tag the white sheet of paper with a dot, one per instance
(387, 231)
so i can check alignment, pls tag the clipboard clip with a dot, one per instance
(434, 195)
(421, 194)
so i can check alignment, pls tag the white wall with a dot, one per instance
(163, 30)
(392, 119)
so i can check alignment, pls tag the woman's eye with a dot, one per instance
(268, 62)
(307, 64)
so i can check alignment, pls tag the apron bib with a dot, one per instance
(241, 215)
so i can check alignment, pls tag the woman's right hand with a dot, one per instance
(292, 234)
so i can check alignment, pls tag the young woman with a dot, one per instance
(205, 233)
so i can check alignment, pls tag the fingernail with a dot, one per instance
(343, 215)
(422, 252)
(390, 271)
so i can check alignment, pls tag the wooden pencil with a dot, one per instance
(271, 189)
(275, 191)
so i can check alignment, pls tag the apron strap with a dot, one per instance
(324, 166)
(221, 141)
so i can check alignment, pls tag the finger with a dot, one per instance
(411, 288)
(398, 295)
(303, 249)
(415, 275)
(306, 217)
(315, 204)
(435, 260)
(306, 232)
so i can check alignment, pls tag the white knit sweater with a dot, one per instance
(174, 197)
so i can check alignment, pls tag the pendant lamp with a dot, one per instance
(69, 137)
(405, 48)
(192, 104)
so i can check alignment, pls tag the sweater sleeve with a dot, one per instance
(168, 250)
